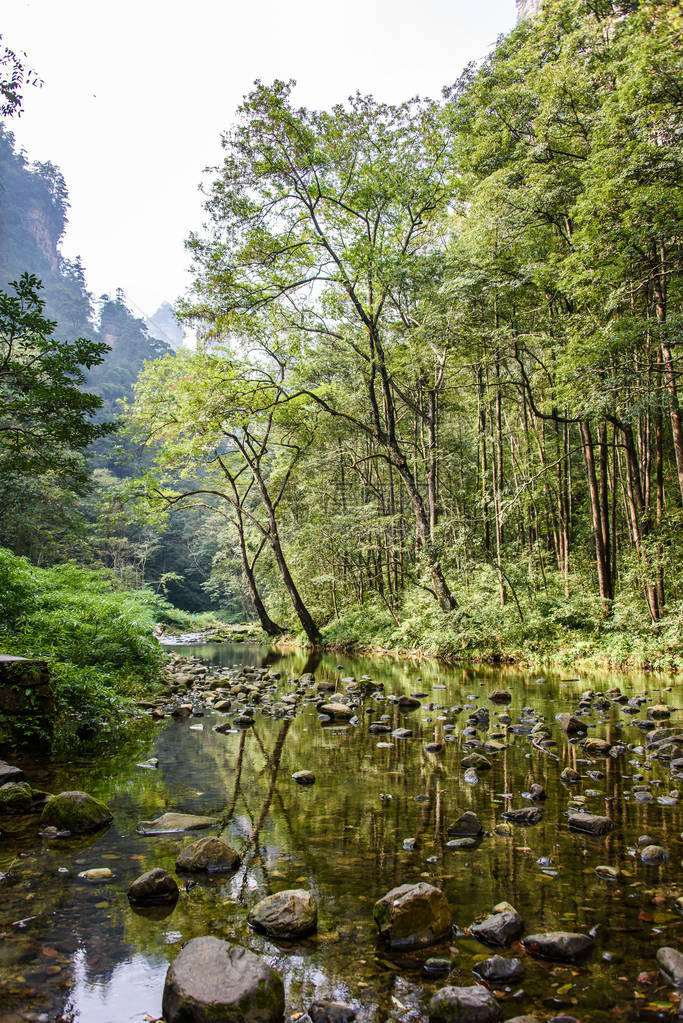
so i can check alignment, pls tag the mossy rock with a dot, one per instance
(75, 812)
(16, 797)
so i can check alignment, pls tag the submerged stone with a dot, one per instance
(473, 1004)
(331, 1012)
(526, 815)
(172, 823)
(571, 724)
(412, 916)
(289, 914)
(153, 887)
(213, 981)
(303, 777)
(654, 855)
(96, 874)
(467, 826)
(564, 946)
(208, 855)
(590, 823)
(670, 962)
(499, 970)
(499, 929)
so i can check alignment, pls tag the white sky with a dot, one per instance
(136, 94)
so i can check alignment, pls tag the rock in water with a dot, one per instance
(561, 945)
(15, 797)
(412, 916)
(96, 874)
(499, 970)
(9, 773)
(477, 761)
(590, 823)
(75, 812)
(526, 815)
(654, 855)
(597, 747)
(289, 914)
(331, 1012)
(153, 887)
(468, 825)
(473, 1004)
(408, 702)
(303, 777)
(337, 710)
(172, 823)
(208, 855)
(499, 929)
(212, 981)
(671, 964)
(571, 724)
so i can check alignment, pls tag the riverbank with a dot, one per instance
(543, 637)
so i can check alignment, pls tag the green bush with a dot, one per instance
(98, 640)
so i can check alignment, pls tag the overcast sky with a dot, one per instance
(136, 94)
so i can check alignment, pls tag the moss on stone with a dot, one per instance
(76, 812)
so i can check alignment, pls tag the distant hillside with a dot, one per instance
(164, 326)
(34, 203)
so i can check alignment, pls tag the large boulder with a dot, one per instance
(174, 823)
(473, 1004)
(152, 888)
(212, 981)
(499, 929)
(208, 855)
(413, 916)
(76, 813)
(289, 914)
(560, 945)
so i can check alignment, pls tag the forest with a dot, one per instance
(434, 400)
(341, 599)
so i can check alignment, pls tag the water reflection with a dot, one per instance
(78, 951)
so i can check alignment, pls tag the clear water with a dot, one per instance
(72, 950)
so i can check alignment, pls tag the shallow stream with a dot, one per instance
(73, 950)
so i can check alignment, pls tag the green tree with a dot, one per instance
(320, 221)
(46, 418)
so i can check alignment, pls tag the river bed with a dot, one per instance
(377, 816)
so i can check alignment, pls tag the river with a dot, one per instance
(77, 951)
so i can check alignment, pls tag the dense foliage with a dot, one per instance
(97, 639)
(436, 396)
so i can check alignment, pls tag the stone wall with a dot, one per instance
(27, 706)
